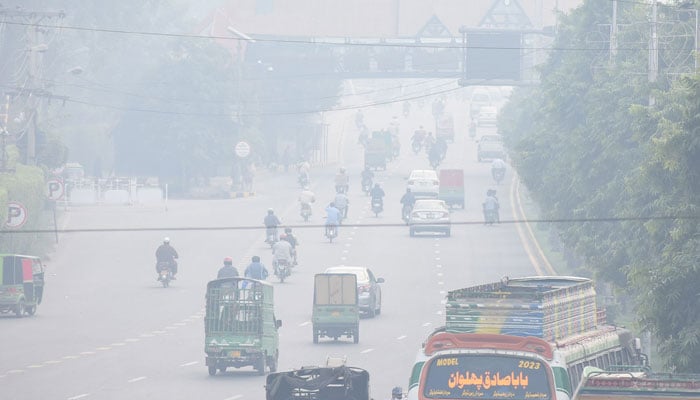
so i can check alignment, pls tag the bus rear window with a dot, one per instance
(465, 376)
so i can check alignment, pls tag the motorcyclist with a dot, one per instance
(342, 203)
(396, 393)
(293, 241)
(367, 176)
(256, 270)
(167, 253)
(498, 166)
(306, 197)
(434, 156)
(332, 217)
(408, 200)
(228, 270)
(491, 205)
(406, 108)
(281, 251)
(441, 146)
(377, 195)
(419, 135)
(271, 223)
(472, 128)
(429, 141)
(342, 180)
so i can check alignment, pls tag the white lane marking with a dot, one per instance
(351, 238)
(427, 324)
(367, 351)
(118, 344)
(343, 258)
(34, 366)
(437, 244)
(158, 332)
(146, 335)
(354, 228)
(443, 292)
(70, 357)
(132, 340)
(80, 396)
(187, 320)
(348, 244)
(437, 258)
(179, 324)
(238, 396)
(140, 378)
(401, 337)
(443, 301)
(170, 327)
(50, 362)
(87, 353)
(441, 283)
(439, 312)
(305, 323)
(438, 265)
(440, 274)
(345, 251)
(437, 251)
(189, 363)
(103, 348)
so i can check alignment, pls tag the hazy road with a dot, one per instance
(107, 330)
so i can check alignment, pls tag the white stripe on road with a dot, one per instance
(70, 357)
(131, 340)
(439, 312)
(118, 344)
(348, 244)
(440, 274)
(443, 292)
(140, 378)
(50, 362)
(367, 351)
(80, 396)
(401, 337)
(34, 366)
(104, 348)
(437, 258)
(189, 363)
(238, 396)
(305, 323)
(87, 353)
(146, 335)
(427, 324)
(441, 283)
(438, 266)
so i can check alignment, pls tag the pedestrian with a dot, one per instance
(228, 270)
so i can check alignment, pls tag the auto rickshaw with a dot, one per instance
(336, 311)
(21, 285)
(452, 187)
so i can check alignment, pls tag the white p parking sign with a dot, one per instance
(55, 189)
(16, 215)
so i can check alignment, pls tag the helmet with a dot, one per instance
(287, 230)
(166, 240)
(408, 190)
(491, 192)
(397, 392)
(376, 185)
(270, 211)
(228, 261)
(255, 259)
(283, 236)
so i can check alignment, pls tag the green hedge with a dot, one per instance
(25, 185)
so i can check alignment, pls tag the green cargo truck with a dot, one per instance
(336, 311)
(240, 327)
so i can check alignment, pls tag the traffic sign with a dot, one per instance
(16, 215)
(55, 190)
(242, 149)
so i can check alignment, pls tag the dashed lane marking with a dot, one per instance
(441, 283)
(440, 274)
(305, 323)
(34, 366)
(179, 324)
(118, 344)
(132, 340)
(343, 258)
(15, 371)
(145, 335)
(87, 353)
(437, 251)
(238, 396)
(439, 312)
(189, 363)
(345, 251)
(443, 292)
(402, 337)
(104, 348)
(80, 396)
(427, 324)
(365, 351)
(70, 357)
(438, 265)
(51, 362)
(158, 332)
(348, 244)
(140, 378)
(437, 258)
(170, 328)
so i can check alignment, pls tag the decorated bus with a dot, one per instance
(635, 382)
(525, 338)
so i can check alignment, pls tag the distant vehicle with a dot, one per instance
(319, 383)
(424, 183)
(491, 138)
(429, 216)
(490, 150)
(480, 98)
(635, 382)
(445, 127)
(488, 116)
(21, 284)
(73, 172)
(240, 328)
(376, 152)
(452, 187)
(369, 291)
(336, 312)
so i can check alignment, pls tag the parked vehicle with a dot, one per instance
(451, 189)
(336, 312)
(319, 383)
(429, 215)
(21, 285)
(240, 327)
(369, 291)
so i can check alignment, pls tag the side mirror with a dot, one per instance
(278, 323)
(380, 280)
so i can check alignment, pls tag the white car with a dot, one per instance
(429, 215)
(487, 116)
(424, 183)
(369, 292)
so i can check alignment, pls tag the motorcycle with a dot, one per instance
(341, 188)
(331, 232)
(472, 131)
(341, 214)
(406, 212)
(417, 145)
(303, 180)
(498, 175)
(367, 185)
(165, 273)
(271, 235)
(305, 211)
(283, 270)
(490, 217)
(434, 162)
(377, 206)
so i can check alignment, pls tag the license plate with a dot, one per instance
(335, 313)
(235, 353)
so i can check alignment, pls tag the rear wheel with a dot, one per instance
(371, 312)
(165, 283)
(356, 335)
(412, 232)
(315, 336)
(222, 369)
(262, 365)
(20, 308)
(272, 362)
(212, 370)
(31, 310)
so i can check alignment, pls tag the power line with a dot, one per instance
(345, 226)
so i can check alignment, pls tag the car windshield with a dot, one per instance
(361, 273)
(429, 205)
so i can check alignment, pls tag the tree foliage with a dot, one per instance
(589, 147)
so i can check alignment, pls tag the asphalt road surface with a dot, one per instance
(108, 330)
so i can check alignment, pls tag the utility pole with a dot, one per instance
(4, 133)
(613, 33)
(33, 89)
(653, 49)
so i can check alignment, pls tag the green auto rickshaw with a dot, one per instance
(336, 311)
(21, 284)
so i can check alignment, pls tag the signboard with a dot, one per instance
(242, 149)
(493, 55)
(55, 190)
(16, 215)
(457, 376)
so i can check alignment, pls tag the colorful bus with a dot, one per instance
(634, 382)
(526, 338)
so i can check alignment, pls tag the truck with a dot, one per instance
(336, 309)
(330, 382)
(240, 328)
(634, 382)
